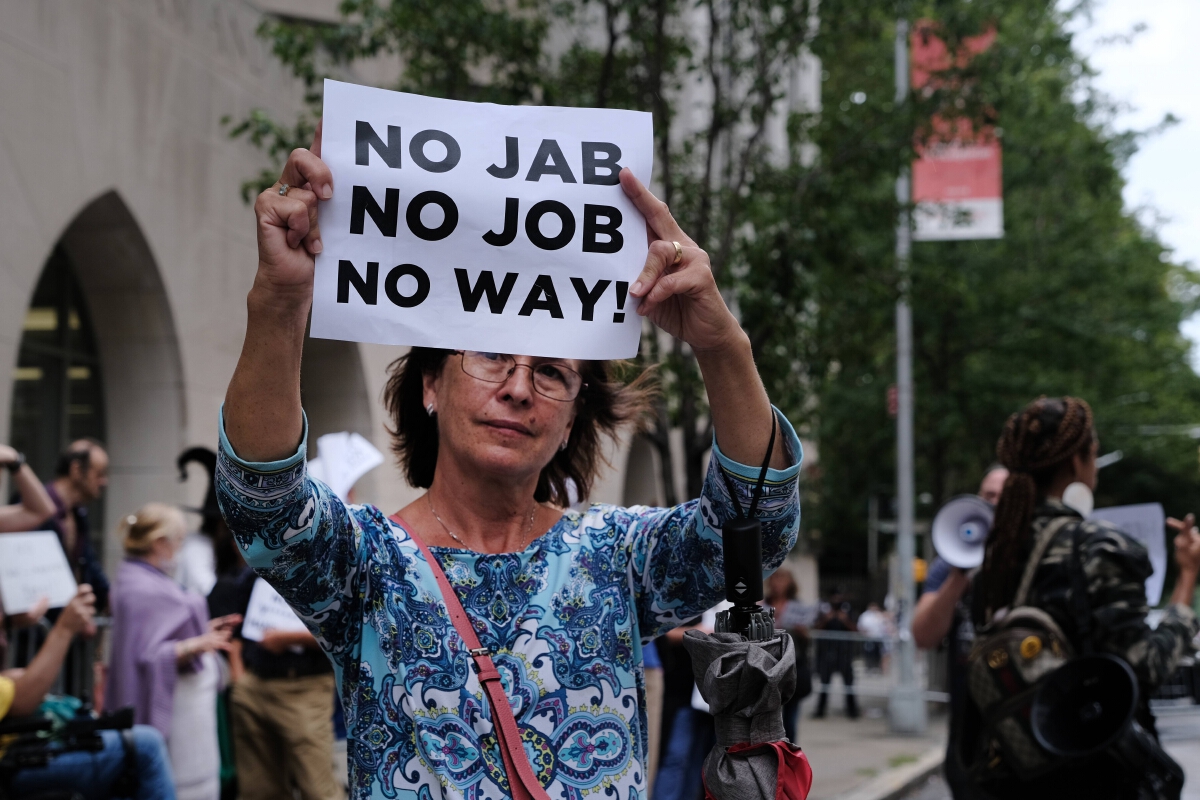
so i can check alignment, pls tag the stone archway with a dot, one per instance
(142, 375)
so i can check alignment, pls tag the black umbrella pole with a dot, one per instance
(742, 541)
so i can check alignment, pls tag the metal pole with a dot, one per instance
(873, 535)
(907, 702)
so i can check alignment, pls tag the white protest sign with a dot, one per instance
(1145, 523)
(33, 566)
(343, 458)
(268, 611)
(476, 226)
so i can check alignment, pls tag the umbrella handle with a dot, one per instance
(741, 540)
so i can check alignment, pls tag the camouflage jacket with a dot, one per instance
(1116, 568)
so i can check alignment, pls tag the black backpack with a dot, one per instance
(1018, 654)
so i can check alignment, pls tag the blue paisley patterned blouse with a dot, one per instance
(565, 618)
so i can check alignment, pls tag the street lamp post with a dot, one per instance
(906, 704)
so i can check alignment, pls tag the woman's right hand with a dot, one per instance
(288, 236)
(204, 643)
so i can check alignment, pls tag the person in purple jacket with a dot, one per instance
(162, 650)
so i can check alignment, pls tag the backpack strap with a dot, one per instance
(1035, 558)
(522, 782)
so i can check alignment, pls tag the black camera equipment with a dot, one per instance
(742, 543)
(34, 741)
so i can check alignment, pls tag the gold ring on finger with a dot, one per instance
(678, 253)
(283, 189)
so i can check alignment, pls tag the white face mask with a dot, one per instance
(1079, 497)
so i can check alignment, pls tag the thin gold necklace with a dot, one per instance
(446, 528)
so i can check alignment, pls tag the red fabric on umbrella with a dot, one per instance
(794, 778)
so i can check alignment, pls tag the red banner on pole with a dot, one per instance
(956, 177)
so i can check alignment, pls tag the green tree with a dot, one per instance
(1076, 298)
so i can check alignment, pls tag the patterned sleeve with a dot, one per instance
(299, 536)
(676, 565)
(1117, 567)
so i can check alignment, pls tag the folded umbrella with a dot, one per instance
(746, 684)
(747, 671)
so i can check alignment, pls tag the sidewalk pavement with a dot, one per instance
(862, 759)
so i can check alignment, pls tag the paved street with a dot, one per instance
(848, 755)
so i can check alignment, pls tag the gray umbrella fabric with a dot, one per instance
(746, 685)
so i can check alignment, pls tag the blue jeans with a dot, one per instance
(92, 774)
(681, 770)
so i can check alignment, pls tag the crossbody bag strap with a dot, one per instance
(522, 781)
(1035, 558)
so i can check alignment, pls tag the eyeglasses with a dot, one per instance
(552, 379)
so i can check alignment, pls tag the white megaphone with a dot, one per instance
(960, 530)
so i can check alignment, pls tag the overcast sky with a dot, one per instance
(1156, 73)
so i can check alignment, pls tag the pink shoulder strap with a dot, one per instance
(516, 762)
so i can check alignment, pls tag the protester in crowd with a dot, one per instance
(28, 515)
(1046, 447)
(227, 596)
(162, 650)
(91, 774)
(781, 592)
(196, 567)
(560, 598)
(35, 506)
(836, 655)
(877, 625)
(653, 668)
(282, 714)
(677, 729)
(944, 613)
(80, 478)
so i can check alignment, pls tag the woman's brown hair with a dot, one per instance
(1036, 443)
(605, 404)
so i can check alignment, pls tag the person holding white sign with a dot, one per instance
(559, 600)
(76, 772)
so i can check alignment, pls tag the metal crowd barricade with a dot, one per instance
(77, 676)
(875, 670)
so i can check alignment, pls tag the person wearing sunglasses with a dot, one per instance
(560, 600)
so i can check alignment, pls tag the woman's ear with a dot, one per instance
(429, 389)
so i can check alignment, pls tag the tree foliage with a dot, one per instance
(1077, 298)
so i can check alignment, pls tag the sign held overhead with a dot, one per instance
(475, 226)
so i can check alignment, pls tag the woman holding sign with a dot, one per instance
(557, 602)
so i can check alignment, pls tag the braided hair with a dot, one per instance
(1036, 443)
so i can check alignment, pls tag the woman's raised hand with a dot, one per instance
(681, 298)
(288, 236)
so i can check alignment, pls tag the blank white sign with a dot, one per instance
(33, 566)
(268, 611)
(1146, 524)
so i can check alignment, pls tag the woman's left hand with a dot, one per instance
(225, 624)
(681, 298)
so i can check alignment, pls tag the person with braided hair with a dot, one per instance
(1046, 447)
